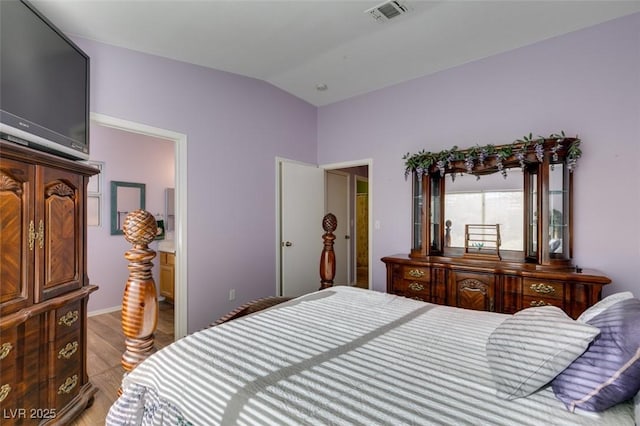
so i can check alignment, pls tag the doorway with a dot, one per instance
(361, 236)
(313, 230)
(337, 202)
(180, 147)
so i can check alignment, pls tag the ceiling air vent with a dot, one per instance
(387, 10)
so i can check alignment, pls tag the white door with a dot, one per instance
(338, 204)
(301, 211)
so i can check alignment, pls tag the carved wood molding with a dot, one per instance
(472, 284)
(60, 189)
(8, 183)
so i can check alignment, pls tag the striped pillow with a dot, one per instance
(609, 371)
(532, 347)
(603, 305)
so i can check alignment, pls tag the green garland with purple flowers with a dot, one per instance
(524, 151)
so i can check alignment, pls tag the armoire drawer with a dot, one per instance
(8, 358)
(66, 385)
(67, 349)
(8, 388)
(68, 319)
(8, 349)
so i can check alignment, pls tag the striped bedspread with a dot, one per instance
(341, 356)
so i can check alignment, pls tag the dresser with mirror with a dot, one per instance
(492, 229)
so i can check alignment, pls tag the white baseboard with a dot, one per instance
(105, 311)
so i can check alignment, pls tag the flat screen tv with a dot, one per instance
(44, 77)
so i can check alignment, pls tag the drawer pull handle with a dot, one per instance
(418, 298)
(536, 303)
(416, 273)
(68, 384)
(4, 391)
(5, 349)
(69, 318)
(416, 286)
(542, 288)
(68, 351)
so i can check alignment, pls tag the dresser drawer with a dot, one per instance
(418, 290)
(532, 301)
(416, 273)
(543, 288)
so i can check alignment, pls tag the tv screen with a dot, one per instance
(44, 77)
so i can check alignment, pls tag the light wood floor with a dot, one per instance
(105, 346)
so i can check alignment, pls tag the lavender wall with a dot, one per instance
(585, 83)
(235, 127)
(127, 157)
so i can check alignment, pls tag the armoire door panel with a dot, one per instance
(60, 236)
(60, 228)
(16, 234)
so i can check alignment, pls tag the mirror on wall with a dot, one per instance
(492, 199)
(170, 209)
(125, 197)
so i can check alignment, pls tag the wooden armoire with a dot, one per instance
(44, 287)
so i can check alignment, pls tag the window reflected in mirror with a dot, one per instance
(490, 200)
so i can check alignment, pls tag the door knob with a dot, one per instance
(287, 244)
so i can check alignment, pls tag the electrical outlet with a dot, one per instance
(232, 294)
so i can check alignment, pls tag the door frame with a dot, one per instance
(180, 146)
(330, 166)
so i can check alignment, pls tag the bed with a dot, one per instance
(341, 355)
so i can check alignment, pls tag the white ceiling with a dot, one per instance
(296, 45)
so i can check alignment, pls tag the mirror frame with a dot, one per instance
(429, 235)
(115, 230)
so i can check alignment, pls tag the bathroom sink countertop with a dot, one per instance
(167, 246)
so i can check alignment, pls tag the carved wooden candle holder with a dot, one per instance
(328, 256)
(140, 300)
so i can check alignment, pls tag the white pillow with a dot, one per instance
(532, 347)
(602, 305)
